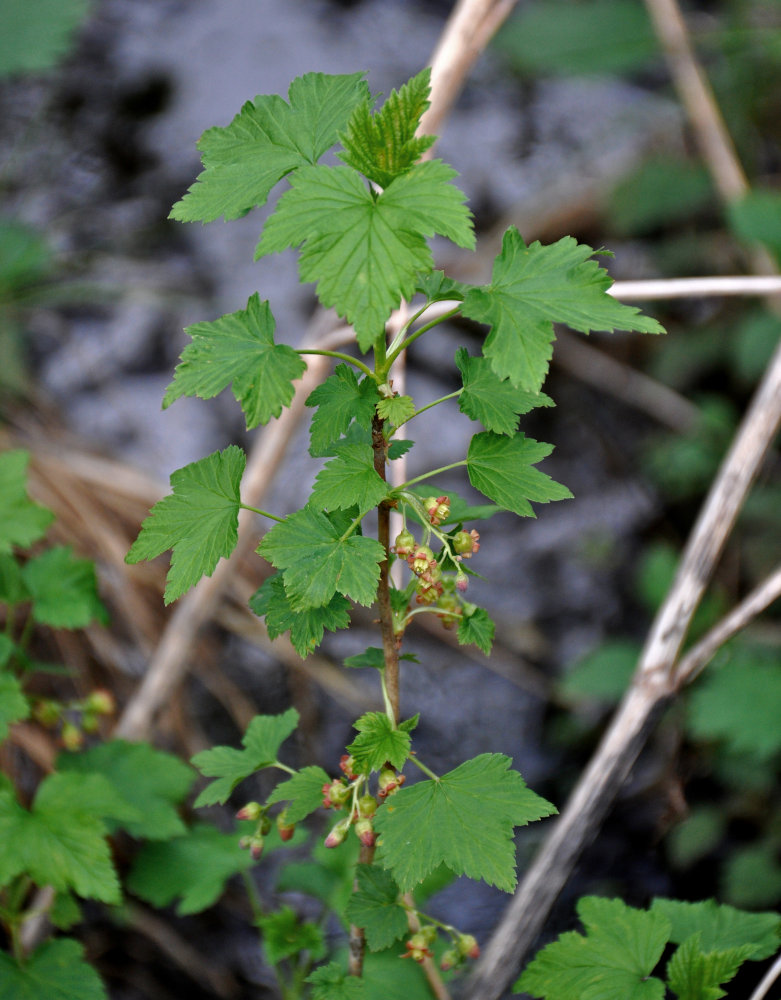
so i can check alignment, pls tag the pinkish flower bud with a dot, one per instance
(404, 544)
(389, 782)
(101, 702)
(284, 828)
(468, 946)
(462, 582)
(466, 543)
(252, 811)
(337, 833)
(367, 806)
(417, 948)
(346, 763)
(450, 959)
(365, 832)
(256, 846)
(420, 560)
(72, 736)
(335, 794)
(437, 508)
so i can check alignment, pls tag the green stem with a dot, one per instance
(436, 402)
(399, 338)
(428, 475)
(424, 769)
(263, 513)
(351, 528)
(386, 699)
(419, 333)
(341, 357)
(284, 767)
(381, 363)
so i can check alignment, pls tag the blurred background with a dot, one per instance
(567, 126)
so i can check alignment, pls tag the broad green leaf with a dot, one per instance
(721, 927)
(603, 674)
(364, 250)
(151, 781)
(307, 626)
(751, 875)
(61, 841)
(696, 975)
(383, 145)
(534, 287)
(198, 521)
(756, 218)
(559, 36)
(65, 912)
(329, 982)
(317, 561)
(397, 410)
(22, 522)
(12, 588)
(266, 140)
(25, 257)
(338, 400)
(661, 191)
(378, 741)
(193, 869)
(7, 649)
(475, 626)
(495, 402)
(55, 971)
(740, 703)
(374, 906)
(64, 589)
(700, 833)
(303, 793)
(284, 936)
(502, 468)
(262, 740)
(35, 38)
(13, 705)
(239, 348)
(465, 820)
(613, 961)
(349, 480)
(398, 448)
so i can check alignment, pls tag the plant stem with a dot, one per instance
(436, 402)
(263, 513)
(389, 645)
(341, 357)
(424, 769)
(428, 475)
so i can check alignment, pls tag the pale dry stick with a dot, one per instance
(683, 288)
(169, 663)
(767, 980)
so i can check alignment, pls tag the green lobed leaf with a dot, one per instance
(338, 400)
(22, 522)
(303, 793)
(612, 961)
(383, 145)
(266, 140)
(721, 927)
(502, 469)
(61, 841)
(476, 627)
(437, 287)
(8, 649)
(152, 782)
(12, 588)
(374, 906)
(330, 982)
(378, 742)
(696, 975)
(56, 971)
(14, 707)
(198, 521)
(239, 348)
(495, 402)
(317, 561)
(306, 627)
(397, 410)
(756, 218)
(364, 250)
(465, 820)
(534, 287)
(192, 868)
(64, 589)
(284, 936)
(751, 875)
(35, 38)
(262, 740)
(349, 480)
(603, 674)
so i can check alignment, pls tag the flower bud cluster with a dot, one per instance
(76, 718)
(419, 945)
(255, 841)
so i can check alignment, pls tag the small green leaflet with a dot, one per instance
(397, 410)
(199, 520)
(307, 626)
(64, 589)
(437, 287)
(495, 402)
(303, 793)
(349, 480)
(284, 936)
(383, 145)
(266, 140)
(56, 971)
(329, 982)
(150, 781)
(476, 627)
(22, 522)
(464, 820)
(61, 841)
(340, 398)
(318, 562)
(239, 348)
(262, 740)
(378, 742)
(192, 868)
(374, 906)
(13, 705)
(364, 250)
(502, 469)
(613, 961)
(373, 656)
(696, 975)
(534, 287)
(721, 927)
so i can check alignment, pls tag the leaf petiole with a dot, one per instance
(341, 357)
(435, 402)
(418, 333)
(428, 475)
(424, 769)
(263, 513)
